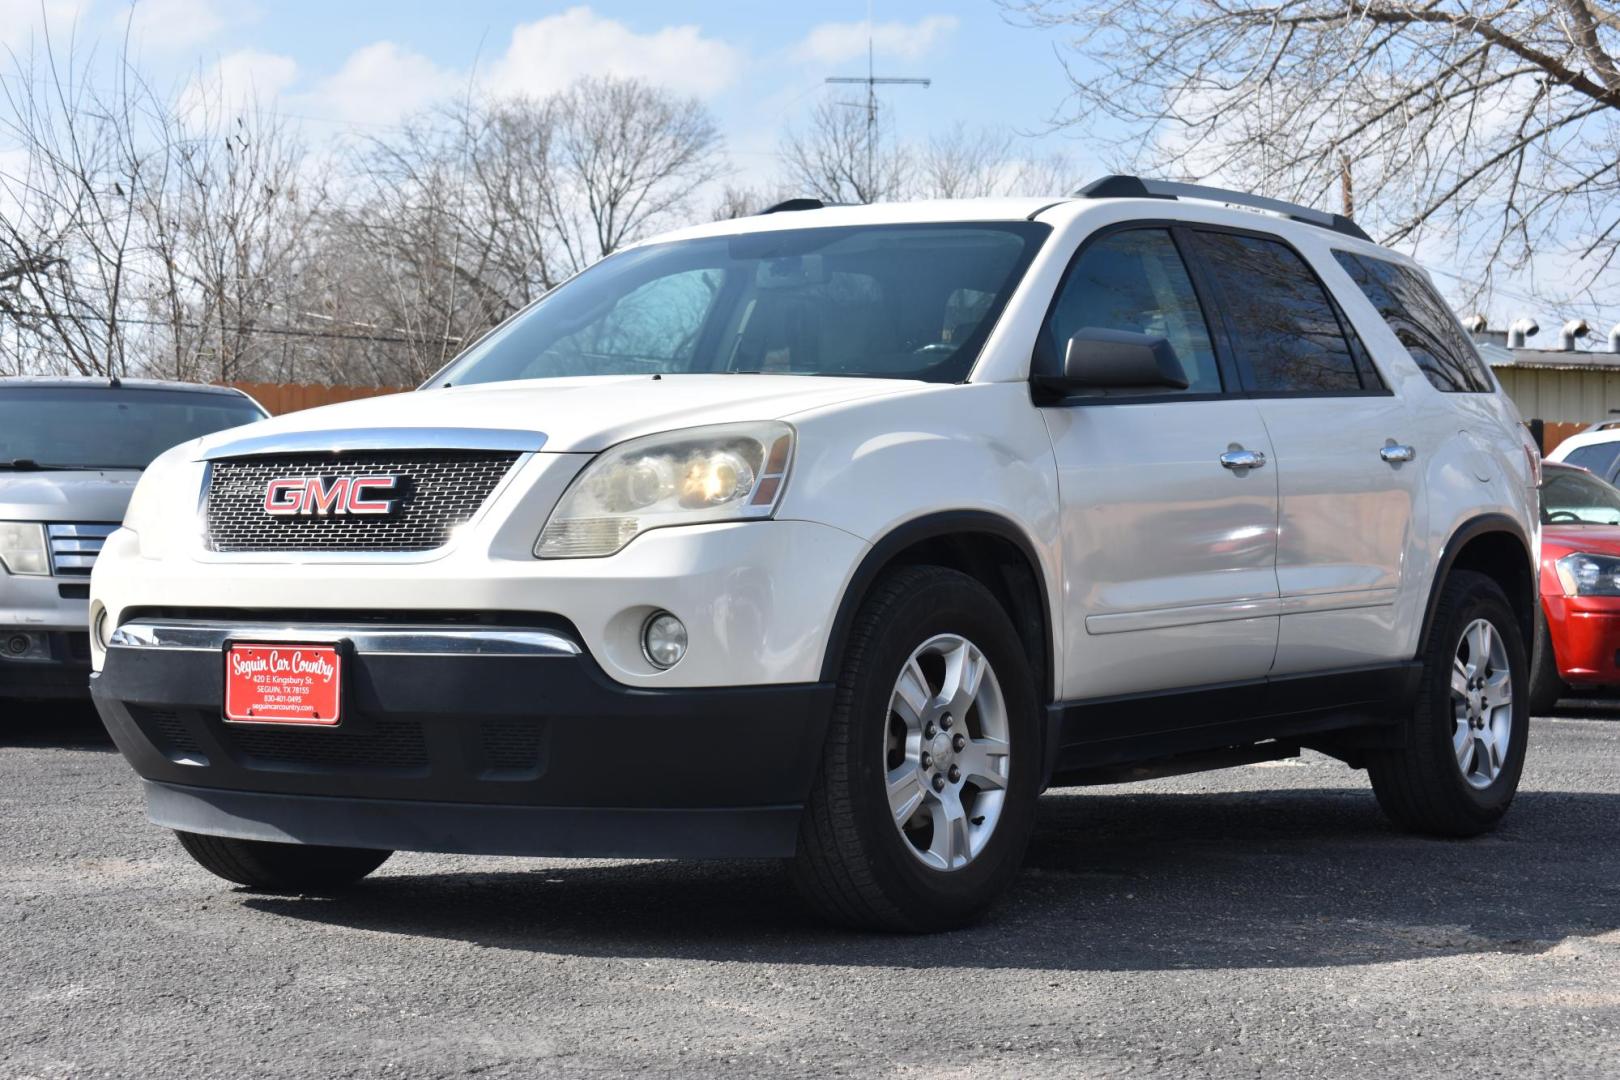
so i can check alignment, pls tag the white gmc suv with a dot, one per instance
(839, 535)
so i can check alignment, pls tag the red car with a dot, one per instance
(1580, 585)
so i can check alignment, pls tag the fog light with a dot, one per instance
(19, 646)
(663, 640)
(103, 628)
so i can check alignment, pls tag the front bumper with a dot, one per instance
(467, 751)
(1585, 633)
(54, 611)
(64, 675)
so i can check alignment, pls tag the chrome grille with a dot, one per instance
(74, 547)
(439, 491)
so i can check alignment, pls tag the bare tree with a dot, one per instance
(69, 213)
(198, 239)
(1494, 123)
(627, 155)
(963, 163)
(224, 233)
(476, 209)
(840, 159)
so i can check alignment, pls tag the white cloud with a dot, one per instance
(382, 83)
(836, 43)
(548, 54)
(241, 79)
(172, 25)
(21, 24)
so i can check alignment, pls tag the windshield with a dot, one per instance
(108, 427)
(891, 301)
(1572, 497)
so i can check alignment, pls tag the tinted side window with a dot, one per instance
(1421, 321)
(1286, 331)
(1135, 281)
(1597, 458)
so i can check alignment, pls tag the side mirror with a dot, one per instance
(1098, 359)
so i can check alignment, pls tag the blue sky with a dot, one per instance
(359, 65)
(342, 68)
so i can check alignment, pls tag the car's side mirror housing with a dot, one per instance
(1099, 359)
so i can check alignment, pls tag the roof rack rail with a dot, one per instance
(1134, 187)
(788, 205)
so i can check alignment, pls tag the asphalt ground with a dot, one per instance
(1263, 921)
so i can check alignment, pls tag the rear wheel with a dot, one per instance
(289, 868)
(926, 796)
(1465, 751)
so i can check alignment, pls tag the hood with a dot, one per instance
(583, 415)
(1560, 540)
(62, 495)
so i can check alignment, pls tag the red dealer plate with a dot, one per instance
(284, 683)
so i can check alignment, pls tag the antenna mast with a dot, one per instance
(872, 81)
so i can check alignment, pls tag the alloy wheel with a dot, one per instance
(947, 752)
(1481, 704)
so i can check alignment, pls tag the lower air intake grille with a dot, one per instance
(435, 492)
(381, 744)
(165, 728)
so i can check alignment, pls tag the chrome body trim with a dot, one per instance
(73, 546)
(191, 635)
(345, 440)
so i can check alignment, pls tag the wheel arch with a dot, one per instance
(986, 546)
(1494, 545)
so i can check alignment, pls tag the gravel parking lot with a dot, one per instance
(1262, 921)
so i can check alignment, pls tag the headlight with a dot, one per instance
(731, 472)
(1589, 575)
(22, 548)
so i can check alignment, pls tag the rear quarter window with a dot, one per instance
(1421, 321)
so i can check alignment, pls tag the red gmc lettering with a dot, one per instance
(359, 504)
(320, 498)
(299, 496)
(284, 497)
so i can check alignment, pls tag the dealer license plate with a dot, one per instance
(283, 683)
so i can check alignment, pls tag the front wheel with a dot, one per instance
(926, 795)
(1465, 750)
(283, 868)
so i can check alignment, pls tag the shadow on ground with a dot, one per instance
(1300, 877)
(71, 725)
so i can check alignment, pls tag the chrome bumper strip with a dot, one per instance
(186, 635)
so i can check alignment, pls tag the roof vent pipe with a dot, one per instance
(1575, 328)
(1520, 330)
(1614, 338)
(1475, 324)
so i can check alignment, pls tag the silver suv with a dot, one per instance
(71, 450)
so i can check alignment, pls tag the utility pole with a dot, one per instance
(873, 81)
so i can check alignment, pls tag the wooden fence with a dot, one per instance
(1553, 434)
(290, 397)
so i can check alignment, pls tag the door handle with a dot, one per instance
(1395, 453)
(1243, 459)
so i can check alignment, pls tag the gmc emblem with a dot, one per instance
(313, 496)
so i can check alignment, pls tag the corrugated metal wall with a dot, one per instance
(1571, 397)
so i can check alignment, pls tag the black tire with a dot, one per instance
(283, 868)
(1421, 787)
(1546, 684)
(852, 864)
